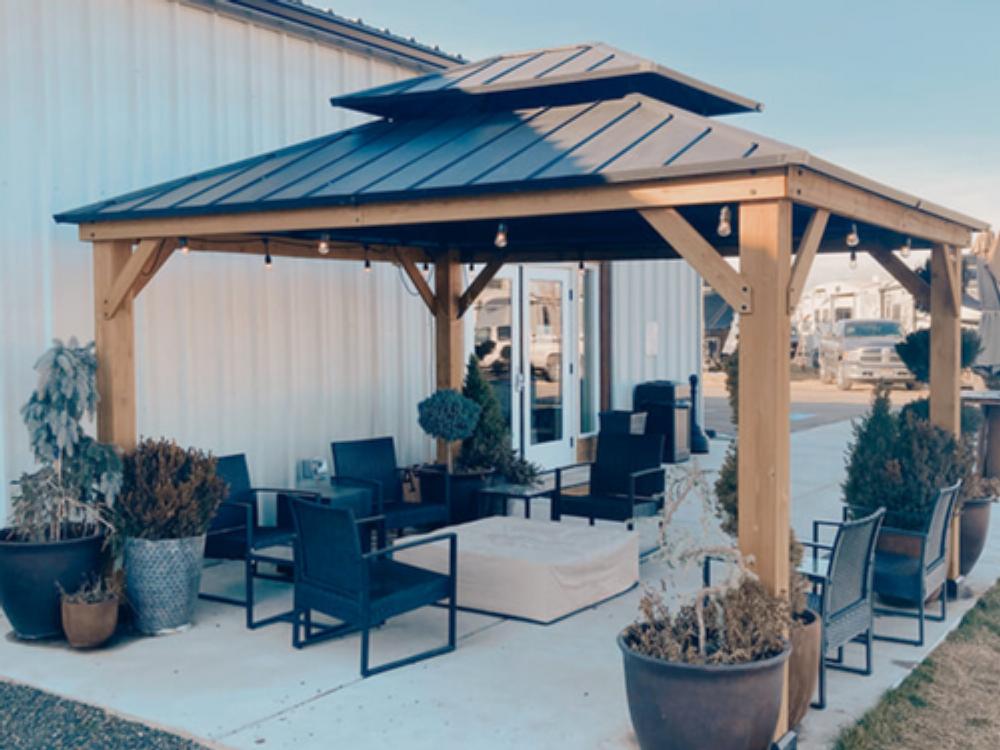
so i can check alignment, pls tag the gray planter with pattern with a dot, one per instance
(162, 578)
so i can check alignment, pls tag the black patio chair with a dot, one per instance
(372, 463)
(335, 578)
(841, 574)
(626, 481)
(235, 533)
(910, 580)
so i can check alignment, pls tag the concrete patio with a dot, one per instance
(509, 684)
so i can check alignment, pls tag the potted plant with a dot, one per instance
(803, 664)
(59, 512)
(721, 655)
(449, 416)
(90, 614)
(978, 495)
(899, 461)
(169, 497)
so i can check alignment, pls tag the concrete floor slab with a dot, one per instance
(509, 684)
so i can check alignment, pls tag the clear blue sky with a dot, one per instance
(906, 92)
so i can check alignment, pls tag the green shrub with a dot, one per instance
(915, 351)
(169, 492)
(972, 416)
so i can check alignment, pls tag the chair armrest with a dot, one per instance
(369, 520)
(305, 494)
(244, 508)
(419, 469)
(819, 524)
(706, 569)
(633, 476)
(558, 471)
(817, 545)
(449, 536)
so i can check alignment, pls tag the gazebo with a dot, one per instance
(581, 153)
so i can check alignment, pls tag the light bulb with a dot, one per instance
(472, 267)
(268, 263)
(853, 263)
(368, 265)
(581, 266)
(182, 244)
(324, 245)
(853, 239)
(905, 249)
(725, 227)
(501, 239)
(427, 266)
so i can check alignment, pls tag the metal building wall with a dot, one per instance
(656, 323)
(103, 96)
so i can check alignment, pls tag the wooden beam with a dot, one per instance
(691, 246)
(819, 191)
(115, 346)
(418, 281)
(764, 404)
(808, 247)
(954, 273)
(946, 353)
(682, 191)
(902, 273)
(478, 285)
(150, 270)
(449, 362)
(126, 279)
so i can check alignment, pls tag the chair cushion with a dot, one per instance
(607, 508)
(898, 576)
(397, 587)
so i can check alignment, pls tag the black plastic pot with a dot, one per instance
(974, 528)
(29, 574)
(465, 490)
(678, 706)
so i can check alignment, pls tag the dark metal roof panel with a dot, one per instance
(558, 76)
(629, 139)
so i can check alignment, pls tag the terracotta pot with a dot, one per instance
(975, 526)
(677, 706)
(803, 666)
(89, 625)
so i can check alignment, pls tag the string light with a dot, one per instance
(368, 262)
(268, 263)
(853, 239)
(183, 245)
(427, 266)
(725, 227)
(501, 239)
(905, 249)
(853, 263)
(324, 245)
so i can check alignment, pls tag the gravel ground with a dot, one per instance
(34, 720)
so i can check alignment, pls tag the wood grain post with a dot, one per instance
(115, 340)
(764, 390)
(946, 353)
(448, 360)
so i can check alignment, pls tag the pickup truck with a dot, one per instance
(863, 351)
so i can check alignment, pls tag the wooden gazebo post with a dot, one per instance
(946, 355)
(765, 231)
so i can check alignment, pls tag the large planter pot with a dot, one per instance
(88, 625)
(974, 527)
(803, 665)
(692, 706)
(465, 490)
(31, 574)
(162, 578)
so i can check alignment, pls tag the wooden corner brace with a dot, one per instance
(146, 260)
(902, 273)
(808, 247)
(423, 289)
(704, 258)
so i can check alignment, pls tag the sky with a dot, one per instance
(905, 92)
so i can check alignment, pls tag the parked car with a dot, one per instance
(863, 351)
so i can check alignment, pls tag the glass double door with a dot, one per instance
(521, 334)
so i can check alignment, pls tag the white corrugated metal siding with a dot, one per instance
(104, 96)
(655, 325)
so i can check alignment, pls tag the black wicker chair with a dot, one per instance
(335, 578)
(910, 580)
(626, 481)
(372, 463)
(842, 591)
(236, 534)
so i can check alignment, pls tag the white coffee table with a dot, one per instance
(533, 569)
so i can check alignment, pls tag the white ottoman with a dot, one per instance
(532, 569)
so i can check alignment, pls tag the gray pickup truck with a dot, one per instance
(863, 351)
